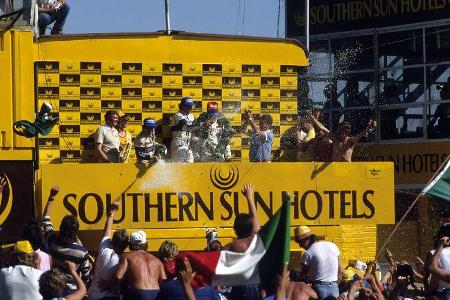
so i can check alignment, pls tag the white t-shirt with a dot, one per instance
(444, 263)
(105, 267)
(46, 260)
(20, 282)
(322, 259)
(108, 137)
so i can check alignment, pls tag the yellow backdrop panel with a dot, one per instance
(208, 195)
(414, 163)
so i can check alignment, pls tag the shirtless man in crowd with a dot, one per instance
(143, 273)
(343, 142)
(246, 226)
(288, 289)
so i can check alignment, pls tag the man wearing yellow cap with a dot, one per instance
(21, 280)
(321, 262)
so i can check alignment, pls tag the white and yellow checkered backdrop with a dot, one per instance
(81, 92)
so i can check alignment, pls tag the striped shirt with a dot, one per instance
(62, 251)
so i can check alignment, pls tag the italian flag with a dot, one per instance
(439, 187)
(268, 252)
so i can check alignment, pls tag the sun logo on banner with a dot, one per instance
(299, 18)
(6, 201)
(224, 177)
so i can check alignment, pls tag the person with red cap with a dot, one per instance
(181, 127)
(214, 132)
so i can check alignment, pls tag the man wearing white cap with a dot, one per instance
(321, 262)
(142, 271)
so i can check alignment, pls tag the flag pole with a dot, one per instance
(167, 14)
(307, 23)
(420, 195)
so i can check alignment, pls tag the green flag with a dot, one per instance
(439, 187)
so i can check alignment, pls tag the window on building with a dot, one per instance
(401, 103)
(412, 99)
(437, 40)
(352, 54)
(402, 48)
(438, 110)
(357, 95)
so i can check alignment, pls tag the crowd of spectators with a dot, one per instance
(49, 265)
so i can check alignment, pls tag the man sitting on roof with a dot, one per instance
(52, 11)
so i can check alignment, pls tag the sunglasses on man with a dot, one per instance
(299, 240)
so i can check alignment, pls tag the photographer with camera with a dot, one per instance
(52, 11)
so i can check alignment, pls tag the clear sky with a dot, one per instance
(248, 17)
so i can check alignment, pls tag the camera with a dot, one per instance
(404, 270)
(440, 86)
(211, 235)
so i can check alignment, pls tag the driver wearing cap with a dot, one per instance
(181, 127)
(214, 133)
(147, 149)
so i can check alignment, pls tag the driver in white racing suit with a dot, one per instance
(181, 127)
(147, 149)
